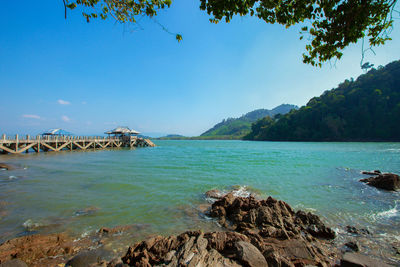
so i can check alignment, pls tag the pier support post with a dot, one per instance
(16, 143)
(27, 143)
(38, 144)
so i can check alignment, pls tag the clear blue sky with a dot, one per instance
(88, 78)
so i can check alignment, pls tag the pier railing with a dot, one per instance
(19, 144)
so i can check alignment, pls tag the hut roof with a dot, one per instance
(57, 131)
(122, 130)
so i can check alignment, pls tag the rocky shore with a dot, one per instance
(386, 181)
(254, 232)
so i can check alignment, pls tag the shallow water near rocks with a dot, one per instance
(158, 190)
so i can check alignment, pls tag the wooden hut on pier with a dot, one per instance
(56, 132)
(122, 131)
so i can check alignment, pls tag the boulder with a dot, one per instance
(31, 249)
(259, 233)
(358, 260)
(375, 172)
(115, 230)
(187, 249)
(274, 218)
(357, 231)
(6, 166)
(387, 181)
(352, 245)
(117, 262)
(249, 255)
(13, 263)
(214, 194)
(87, 258)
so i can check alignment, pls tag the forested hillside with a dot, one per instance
(238, 127)
(366, 109)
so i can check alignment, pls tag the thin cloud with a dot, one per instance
(84, 103)
(31, 116)
(63, 102)
(65, 118)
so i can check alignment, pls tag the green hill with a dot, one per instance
(366, 109)
(238, 127)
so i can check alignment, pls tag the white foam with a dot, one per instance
(393, 212)
(242, 191)
(392, 149)
(389, 213)
(85, 233)
(12, 177)
(30, 225)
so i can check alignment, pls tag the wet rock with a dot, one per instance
(273, 217)
(357, 231)
(387, 181)
(114, 230)
(249, 255)
(14, 263)
(87, 258)
(86, 211)
(375, 172)
(3, 209)
(352, 245)
(117, 263)
(33, 248)
(359, 260)
(6, 166)
(214, 194)
(187, 249)
(260, 233)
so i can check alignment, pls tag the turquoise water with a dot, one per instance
(159, 189)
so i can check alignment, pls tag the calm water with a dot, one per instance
(159, 189)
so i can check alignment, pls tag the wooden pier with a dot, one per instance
(17, 145)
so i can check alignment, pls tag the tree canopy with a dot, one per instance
(365, 109)
(328, 25)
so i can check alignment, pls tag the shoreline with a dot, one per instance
(58, 249)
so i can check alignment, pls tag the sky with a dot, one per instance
(91, 77)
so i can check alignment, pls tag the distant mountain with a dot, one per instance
(173, 136)
(238, 127)
(365, 109)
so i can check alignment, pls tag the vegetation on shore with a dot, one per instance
(234, 128)
(238, 127)
(365, 109)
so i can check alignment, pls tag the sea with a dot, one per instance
(161, 190)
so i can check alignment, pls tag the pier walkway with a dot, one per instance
(17, 145)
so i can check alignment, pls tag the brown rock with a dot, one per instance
(274, 218)
(262, 233)
(375, 172)
(188, 249)
(117, 263)
(214, 193)
(6, 166)
(249, 255)
(114, 230)
(387, 181)
(13, 263)
(359, 260)
(31, 249)
(352, 245)
(356, 231)
(87, 258)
